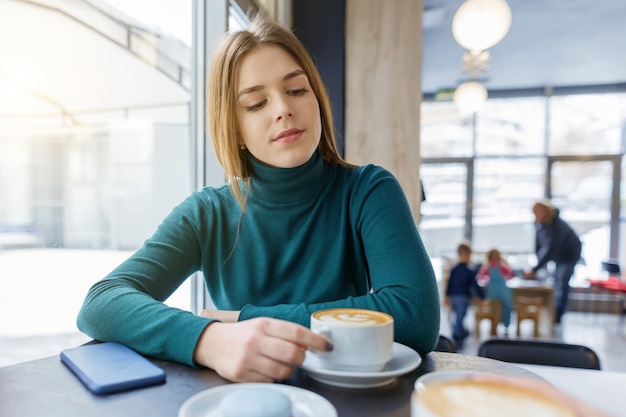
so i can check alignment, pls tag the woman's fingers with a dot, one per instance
(257, 369)
(256, 350)
(297, 334)
(282, 351)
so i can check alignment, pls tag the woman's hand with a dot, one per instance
(256, 350)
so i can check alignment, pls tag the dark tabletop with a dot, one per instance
(47, 388)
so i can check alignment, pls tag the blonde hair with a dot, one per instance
(494, 255)
(221, 98)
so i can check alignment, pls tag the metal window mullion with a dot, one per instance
(210, 21)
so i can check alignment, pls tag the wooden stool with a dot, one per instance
(528, 308)
(488, 309)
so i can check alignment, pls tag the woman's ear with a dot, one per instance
(240, 141)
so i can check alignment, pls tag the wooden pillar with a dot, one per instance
(383, 88)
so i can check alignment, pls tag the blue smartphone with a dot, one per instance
(105, 368)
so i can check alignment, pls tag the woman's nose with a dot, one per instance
(283, 109)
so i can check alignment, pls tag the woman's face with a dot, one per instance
(277, 112)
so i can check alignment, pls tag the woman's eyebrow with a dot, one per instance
(254, 88)
(249, 90)
(293, 74)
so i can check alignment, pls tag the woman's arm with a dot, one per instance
(127, 305)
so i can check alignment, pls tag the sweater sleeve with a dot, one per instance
(450, 283)
(544, 247)
(506, 271)
(402, 279)
(483, 274)
(127, 305)
(475, 288)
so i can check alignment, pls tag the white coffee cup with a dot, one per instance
(476, 394)
(362, 339)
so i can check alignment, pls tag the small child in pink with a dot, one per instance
(493, 274)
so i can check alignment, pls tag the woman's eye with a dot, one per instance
(297, 92)
(255, 106)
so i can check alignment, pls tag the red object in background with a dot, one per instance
(611, 283)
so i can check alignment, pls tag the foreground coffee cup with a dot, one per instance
(475, 394)
(362, 339)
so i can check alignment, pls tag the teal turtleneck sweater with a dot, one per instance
(312, 237)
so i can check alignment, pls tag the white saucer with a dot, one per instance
(305, 403)
(404, 361)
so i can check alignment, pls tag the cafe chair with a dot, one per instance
(528, 309)
(488, 309)
(445, 344)
(539, 352)
(611, 267)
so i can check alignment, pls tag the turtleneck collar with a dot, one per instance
(284, 185)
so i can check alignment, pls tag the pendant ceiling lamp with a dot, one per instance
(469, 98)
(480, 24)
(477, 26)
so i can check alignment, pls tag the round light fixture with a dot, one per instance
(480, 24)
(469, 97)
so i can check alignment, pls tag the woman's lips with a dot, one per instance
(288, 136)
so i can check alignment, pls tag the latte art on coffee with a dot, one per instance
(352, 316)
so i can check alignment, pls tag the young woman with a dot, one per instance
(296, 229)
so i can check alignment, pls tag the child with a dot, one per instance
(461, 287)
(494, 274)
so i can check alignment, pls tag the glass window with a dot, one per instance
(516, 141)
(504, 192)
(237, 18)
(442, 218)
(583, 186)
(95, 150)
(514, 126)
(582, 192)
(443, 132)
(588, 124)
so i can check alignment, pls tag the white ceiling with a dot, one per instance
(51, 63)
(59, 64)
(551, 43)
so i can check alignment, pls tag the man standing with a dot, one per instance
(555, 241)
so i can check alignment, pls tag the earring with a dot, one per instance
(242, 147)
